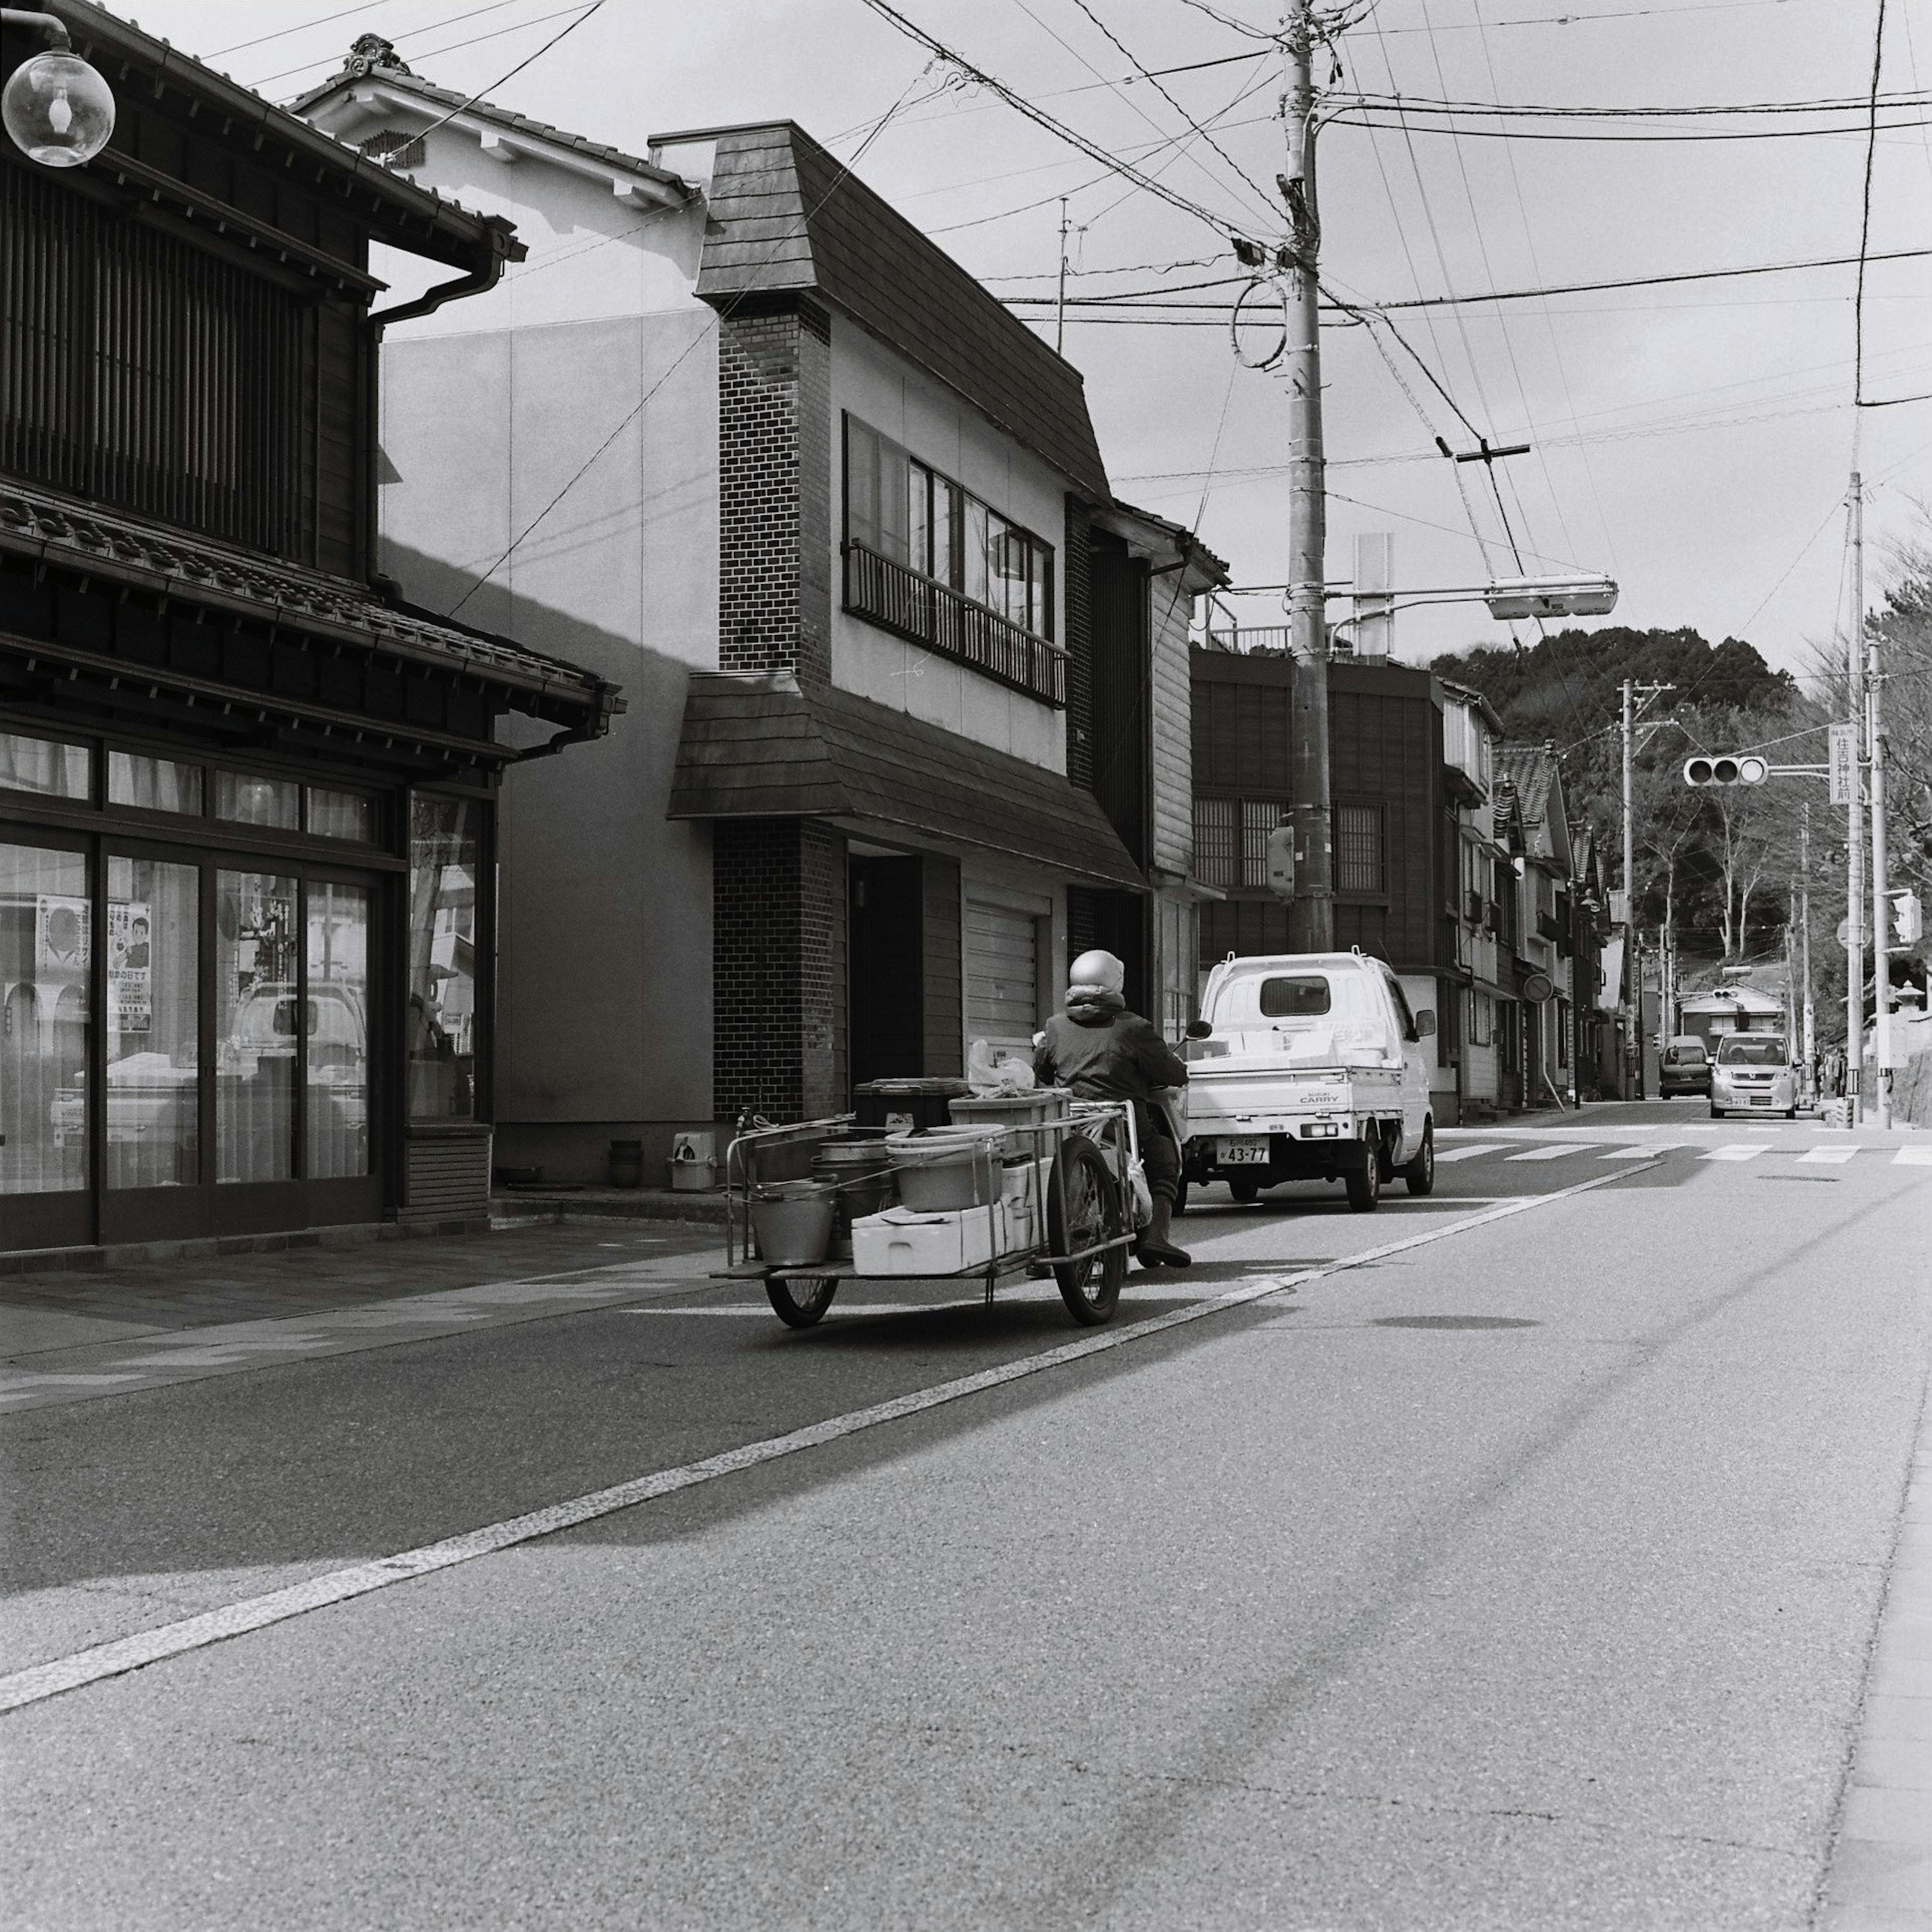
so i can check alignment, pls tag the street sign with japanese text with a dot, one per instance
(1844, 763)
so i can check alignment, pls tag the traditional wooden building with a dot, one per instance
(246, 792)
(1396, 834)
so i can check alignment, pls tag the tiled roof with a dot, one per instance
(788, 217)
(768, 748)
(1530, 768)
(75, 536)
(397, 74)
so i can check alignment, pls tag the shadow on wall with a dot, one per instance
(603, 986)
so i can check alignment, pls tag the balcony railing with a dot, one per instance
(916, 606)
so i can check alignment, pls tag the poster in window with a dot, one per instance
(129, 959)
(61, 936)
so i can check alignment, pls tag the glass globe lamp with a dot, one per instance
(58, 109)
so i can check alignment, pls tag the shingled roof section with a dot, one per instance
(1530, 768)
(787, 217)
(767, 748)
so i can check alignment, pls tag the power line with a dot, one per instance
(1395, 100)
(1040, 117)
(416, 33)
(1662, 136)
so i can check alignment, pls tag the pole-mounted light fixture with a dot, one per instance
(58, 109)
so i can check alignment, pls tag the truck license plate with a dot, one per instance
(1245, 1153)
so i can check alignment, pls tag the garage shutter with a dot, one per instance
(1002, 974)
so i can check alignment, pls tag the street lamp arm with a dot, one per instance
(55, 29)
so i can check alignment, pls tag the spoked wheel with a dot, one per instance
(801, 1300)
(1083, 1207)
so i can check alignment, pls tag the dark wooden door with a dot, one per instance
(886, 969)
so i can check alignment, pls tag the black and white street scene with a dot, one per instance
(928, 930)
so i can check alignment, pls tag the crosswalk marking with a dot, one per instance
(1468, 1152)
(1633, 1153)
(1914, 1156)
(1828, 1157)
(1555, 1152)
(1738, 1150)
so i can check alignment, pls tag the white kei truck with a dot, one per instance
(1309, 1067)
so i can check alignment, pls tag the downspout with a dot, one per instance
(479, 280)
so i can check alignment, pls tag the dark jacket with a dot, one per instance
(1102, 1052)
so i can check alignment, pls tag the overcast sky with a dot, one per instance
(1694, 440)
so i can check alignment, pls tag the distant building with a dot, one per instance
(1544, 869)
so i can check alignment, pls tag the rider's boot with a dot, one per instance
(1153, 1248)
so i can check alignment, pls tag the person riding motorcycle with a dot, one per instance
(1101, 1051)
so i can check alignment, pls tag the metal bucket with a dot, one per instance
(947, 1168)
(792, 1223)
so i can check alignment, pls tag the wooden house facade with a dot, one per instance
(246, 792)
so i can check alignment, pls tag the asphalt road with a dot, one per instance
(1523, 1578)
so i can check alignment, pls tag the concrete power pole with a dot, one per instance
(1810, 1036)
(1855, 841)
(1311, 911)
(1633, 1020)
(1881, 903)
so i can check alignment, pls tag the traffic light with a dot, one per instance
(1727, 769)
(1908, 917)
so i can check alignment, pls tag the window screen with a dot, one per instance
(1359, 866)
(1215, 853)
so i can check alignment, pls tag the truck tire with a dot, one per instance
(1364, 1180)
(1419, 1175)
(1384, 1143)
(1246, 1190)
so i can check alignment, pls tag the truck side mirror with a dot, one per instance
(1199, 1030)
(1425, 1024)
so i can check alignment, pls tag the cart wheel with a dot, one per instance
(800, 1301)
(1083, 1206)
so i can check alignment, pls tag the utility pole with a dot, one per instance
(1810, 1035)
(1311, 911)
(1855, 841)
(1633, 1021)
(1881, 901)
(1060, 308)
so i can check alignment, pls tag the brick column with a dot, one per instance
(778, 968)
(774, 437)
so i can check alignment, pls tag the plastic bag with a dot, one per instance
(1139, 1193)
(992, 1072)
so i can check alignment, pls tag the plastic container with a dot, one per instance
(693, 1166)
(943, 1169)
(1011, 1110)
(627, 1163)
(904, 1105)
(792, 1223)
(901, 1242)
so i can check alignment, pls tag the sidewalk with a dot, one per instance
(69, 1338)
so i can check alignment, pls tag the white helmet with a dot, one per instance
(1098, 969)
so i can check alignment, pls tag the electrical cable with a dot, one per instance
(417, 33)
(1128, 53)
(1728, 134)
(1040, 117)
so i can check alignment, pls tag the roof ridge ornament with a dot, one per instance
(369, 51)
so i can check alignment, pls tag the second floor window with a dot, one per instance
(900, 509)
(1231, 836)
(1361, 864)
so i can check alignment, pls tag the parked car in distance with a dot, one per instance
(1754, 1074)
(1685, 1067)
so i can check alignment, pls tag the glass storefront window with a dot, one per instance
(40, 765)
(153, 1023)
(444, 855)
(257, 1017)
(245, 798)
(154, 785)
(337, 1024)
(341, 814)
(46, 951)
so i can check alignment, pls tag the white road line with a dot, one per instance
(1555, 1152)
(1738, 1150)
(1635, 1152)
(42, 1681)
(1443, 1154)
(1913, 1157)
(1828, 1156)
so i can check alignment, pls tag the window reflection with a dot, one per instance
(337, 1027)
(341, 814)
(153, 979)
(443, 860)
(244, 798)
(256, 1020)
(45, 953)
